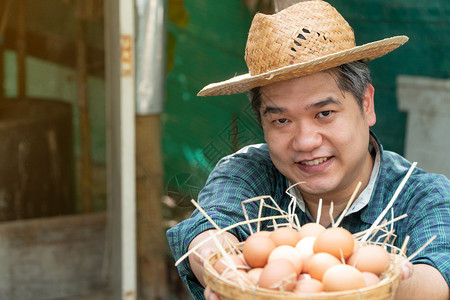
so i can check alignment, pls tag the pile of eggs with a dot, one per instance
(310, 260)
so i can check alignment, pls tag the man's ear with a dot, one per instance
(369, 106)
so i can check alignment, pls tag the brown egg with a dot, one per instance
(303, 276)
(308, 286)
(370, 258)
(260, 233)
(254, 275)
(288, 252)
(342, 278)
(337, 241)
(226, 262)
(310, 229)
(236, 276)
(305, 247)
(285, 236)
(370, 278)
(278, 275)
(319, 263)
(256, 250)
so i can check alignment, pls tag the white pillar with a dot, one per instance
(120, 95)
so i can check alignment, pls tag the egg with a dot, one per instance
(227, 262)
(342, 278)
(241, 256)
(254, 275)
(305, 247)
(285, 236)
(319, 263)
(370, 258)
(337, 241)
(310, 229)
(303, 276)
(278, 275)
(256, 250)
(308, 286)
(288, 252)
(236, 276)
(370, 278)
(260, 233)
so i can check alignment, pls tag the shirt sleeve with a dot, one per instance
(234, 179)
(429, 215)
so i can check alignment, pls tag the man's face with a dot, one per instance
(318, 134)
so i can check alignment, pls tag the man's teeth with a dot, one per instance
(314, 162)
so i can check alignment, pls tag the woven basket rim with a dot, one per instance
(246, 82)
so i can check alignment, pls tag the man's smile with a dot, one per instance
(314, 162)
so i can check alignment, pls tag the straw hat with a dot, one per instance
(302, 39)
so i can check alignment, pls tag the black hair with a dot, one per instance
(353, 77)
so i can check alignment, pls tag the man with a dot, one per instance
(311, 90)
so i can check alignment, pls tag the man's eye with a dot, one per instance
(281, 121)
(324, 114)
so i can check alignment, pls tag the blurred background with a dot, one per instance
(103, 141)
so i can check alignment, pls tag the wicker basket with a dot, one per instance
(227, 289)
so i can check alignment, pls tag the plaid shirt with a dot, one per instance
(250, 173)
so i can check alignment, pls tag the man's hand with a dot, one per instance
(206, 249)
(422, 281)
(407, 270)
(209, 294)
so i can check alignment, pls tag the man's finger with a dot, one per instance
(407, 270)
(204, 253)
(209, 295)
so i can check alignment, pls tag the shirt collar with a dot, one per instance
(363, 198)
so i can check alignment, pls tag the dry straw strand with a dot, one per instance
(352, 198)
(421, 248)
(361, 233)
(319, 211)
(383, 213)
(331, 213)
(405, 243)
(205, 214)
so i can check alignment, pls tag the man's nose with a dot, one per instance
(305, 139)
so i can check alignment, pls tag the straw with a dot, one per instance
(383, 213)
(319, 211)
(331, 213)
(341, 217)
(421, 248)
(358, 234)
(205, 214)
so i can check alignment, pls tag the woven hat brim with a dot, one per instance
(244, 83)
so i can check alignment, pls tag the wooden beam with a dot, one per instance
(83, 115)
(2, 70)
(56, 49)
(21, 47)
(151, 241)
